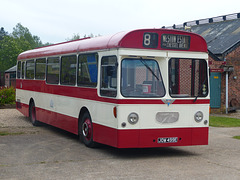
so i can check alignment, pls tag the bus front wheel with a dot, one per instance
(86, 130)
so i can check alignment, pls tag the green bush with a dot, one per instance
(7, 95)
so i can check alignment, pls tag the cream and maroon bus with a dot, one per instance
(136, 89)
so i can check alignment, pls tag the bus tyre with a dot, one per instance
(86, 131)
(32, 115)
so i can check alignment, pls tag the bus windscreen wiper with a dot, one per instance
(146, 65)
(200, 90)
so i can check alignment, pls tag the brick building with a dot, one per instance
(222, 35)
(10, 77)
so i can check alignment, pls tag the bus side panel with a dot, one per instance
(105, 135)
(117, 138)
(23, 108)
(58, 120)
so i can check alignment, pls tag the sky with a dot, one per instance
(56, 21)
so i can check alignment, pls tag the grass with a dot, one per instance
(216, 121)
(236, 137)
(9, 133)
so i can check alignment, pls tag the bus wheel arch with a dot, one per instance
(85, 128)
(32, 113)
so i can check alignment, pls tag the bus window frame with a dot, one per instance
(199, 88)
(112, 91)
(59, 59)
(23, 69)
(60, 70)
(160, 76)
(77, 76)
(19, 70)
(45, 70)
(26, 69)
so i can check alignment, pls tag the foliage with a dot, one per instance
(4, 133)
(23, 34)
(9, 50)
(74, 37)
(236, 137)
(21, 39)
(13, 44)
(216, 121)
(77, 36)
(3, 33)
(7, 95)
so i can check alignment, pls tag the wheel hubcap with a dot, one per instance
(87, 129)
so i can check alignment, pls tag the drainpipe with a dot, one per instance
(227, 92)
(227, 69)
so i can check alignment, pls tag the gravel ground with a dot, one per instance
(49, 153)
(11, 124)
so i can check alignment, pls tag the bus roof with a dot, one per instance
(129, 39)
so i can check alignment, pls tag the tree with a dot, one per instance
(23, 33)
(3, 33)
(74, 37)
(77, 36)
(12, 45)
(9, 51)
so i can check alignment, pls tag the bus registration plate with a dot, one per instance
(168, 140)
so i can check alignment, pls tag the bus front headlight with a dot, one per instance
(133, 118)
(198, 116)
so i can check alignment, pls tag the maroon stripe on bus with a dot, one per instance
(91, 93)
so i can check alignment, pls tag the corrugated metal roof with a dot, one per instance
(220, 36)
(12, 69)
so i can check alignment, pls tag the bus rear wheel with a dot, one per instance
(86, 131)
(32, 114)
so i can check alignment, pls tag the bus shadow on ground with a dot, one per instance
(133, 153)
(126, 153)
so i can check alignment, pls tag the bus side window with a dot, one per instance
(30, 66)
(40, 68)
(87, 70)
(109, 76)
(23, 70)
(19, 69)
(53, 70)
(68, 70)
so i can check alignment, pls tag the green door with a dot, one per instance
(215, 90)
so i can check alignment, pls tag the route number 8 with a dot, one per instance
(147, 39)
(150, 40)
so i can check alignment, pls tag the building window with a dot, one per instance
(87, 70)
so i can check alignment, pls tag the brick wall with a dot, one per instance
(232, 59)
